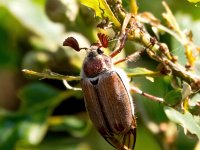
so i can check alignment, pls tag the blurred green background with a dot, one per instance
(41, 114)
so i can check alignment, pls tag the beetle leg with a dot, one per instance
(132, 57)
(123, 36)
(121, 41)
(69, 87)
(149, 96)
(125, 23)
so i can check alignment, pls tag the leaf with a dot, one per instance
(101, 9)
(186, 90)
(173, 96)
(76, 126)
(32, 127)
(187, 22)
(195, 100)
(38, 101)
(193, 1)
(37, 95)
(133, 6)
(186, 120)
(30, 124)
(141, 72)
(8, 132)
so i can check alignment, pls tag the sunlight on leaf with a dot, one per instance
(101, 9)
(195, 100)
(187, 23)
(173, 96)
(133, 6)
(8, 131)
(141, 72)
(72, 9)
(77, 126)
(193, 1)
(186, 90)
(33, 132)
(186, 120)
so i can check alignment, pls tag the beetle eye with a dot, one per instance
(99, 51)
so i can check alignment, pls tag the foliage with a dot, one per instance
(50, 117)
(193, 1)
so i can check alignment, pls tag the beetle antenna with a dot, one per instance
(73, 43)
(104, 39)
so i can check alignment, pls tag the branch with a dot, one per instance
(47, 74)
(156, 50)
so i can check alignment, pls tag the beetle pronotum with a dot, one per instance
(106, 94)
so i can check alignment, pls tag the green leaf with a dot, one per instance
(102, 10)
(33, 127)
(141, 72)
(29, 125)
(38, 101)
(37, 95)
(76, 126)
(8, 132)
(193, 1)
(28, 128)
(173, 96)
(186, 120)
(133, 6)
(187, 22)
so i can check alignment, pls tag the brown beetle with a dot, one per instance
(106, 94)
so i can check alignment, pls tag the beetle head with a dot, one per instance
(95, 62)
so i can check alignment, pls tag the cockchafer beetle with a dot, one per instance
(106, 94)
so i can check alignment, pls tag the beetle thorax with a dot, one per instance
(96, 63)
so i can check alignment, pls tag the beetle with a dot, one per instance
(107, 94)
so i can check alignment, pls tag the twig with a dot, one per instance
(149, 96)
(156, 50)
(50, 75)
